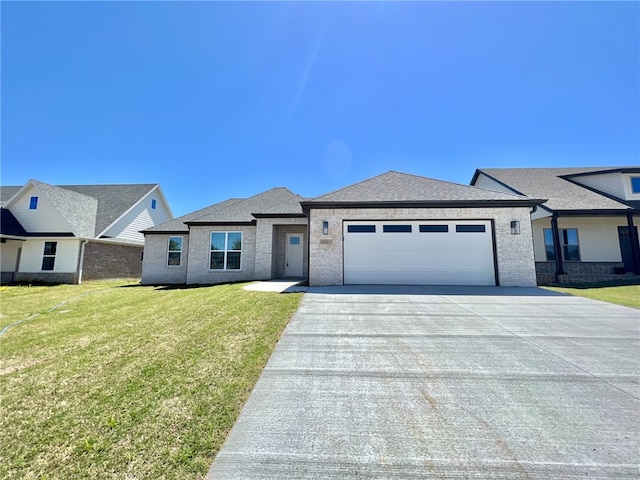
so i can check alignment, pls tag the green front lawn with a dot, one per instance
(128, 381)
(627, 295)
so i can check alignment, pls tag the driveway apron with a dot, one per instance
(444, 382)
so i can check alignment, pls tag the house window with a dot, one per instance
(434, 228)
(470, 229)
(174, 255)
(33, 203)
(396, 228)
(635, 184)
(153, 204)
(568, 241)
(226, 251)
(361, 228)
(49, 256)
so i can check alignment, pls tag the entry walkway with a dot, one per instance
(444, 382)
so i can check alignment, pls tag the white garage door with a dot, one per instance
(419, 252)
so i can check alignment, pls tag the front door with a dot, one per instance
(626, 248)
(293, 255)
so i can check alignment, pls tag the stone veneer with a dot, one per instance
(514, 252)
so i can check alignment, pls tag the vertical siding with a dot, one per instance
(597, 237)
(9, 254)
(44, 219)
(610, 183)
(141, 217)
(66, 256)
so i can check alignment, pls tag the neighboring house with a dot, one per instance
(587, 230)
(391, 229)
(70, 233)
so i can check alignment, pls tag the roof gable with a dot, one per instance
(555, 184)
(395, 187)
(9, 225)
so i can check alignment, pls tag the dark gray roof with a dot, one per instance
(398, 187)
(178, 225)
(277, 201)
(9, 225)
(243, 210)
(90, 209)
(562, 194)
(7, 192)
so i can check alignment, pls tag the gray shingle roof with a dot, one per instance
(272, 202)
(243, 210)
(401, 187)
(178, 225)
(547, 183)
(90, 209)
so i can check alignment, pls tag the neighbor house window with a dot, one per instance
(49, 256)
(226, 251)
(33, 203)
(174, 256)
(568, 242)
(635, 184)
(153, 204)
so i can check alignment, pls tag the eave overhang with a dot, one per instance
(221, 224)
(279, 215)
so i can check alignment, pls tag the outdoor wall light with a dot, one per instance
(515, 227)
(325, 228)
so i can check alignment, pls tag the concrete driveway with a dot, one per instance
(444, 382)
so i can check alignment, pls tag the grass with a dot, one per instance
(127, 381)
(627, 295)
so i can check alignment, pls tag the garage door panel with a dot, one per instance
(426, 258)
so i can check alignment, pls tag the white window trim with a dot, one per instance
(174, 251)
(226, 250)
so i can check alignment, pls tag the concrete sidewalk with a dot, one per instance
(444, 382)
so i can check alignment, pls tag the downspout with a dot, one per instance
(635, 245)
(556, 247)
(82, 247)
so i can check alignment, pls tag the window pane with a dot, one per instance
(635, 184)
(571, 236)
(217, 240)
(175, 244)
(174, 258)
(548, 237)
(50, 248)
(551, 253)
(294, 240)
(235, 241)
(434, 228)
(470, 228)
(361, 228)
(33, 203)
(233, 261)
(48, 262)
(571, 252)
(396, 228)
(217, 261)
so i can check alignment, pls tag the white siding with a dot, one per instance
(489, 184)
(9, 255)
(597, 237)
(610, 183)
(140, 217)
(44, 219)
(66, 255)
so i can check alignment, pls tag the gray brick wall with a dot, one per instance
(154, 265)
(104, 260)
(199, 255)
(514, 252)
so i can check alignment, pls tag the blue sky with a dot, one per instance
(215, 100)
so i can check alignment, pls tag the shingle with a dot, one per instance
(6, 193)
(547, 183)
(178, 224)
(401, 187)
(243, 210)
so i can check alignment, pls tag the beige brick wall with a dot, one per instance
(199, 255)
(154, 263)
(514, 252)
(267, 261)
